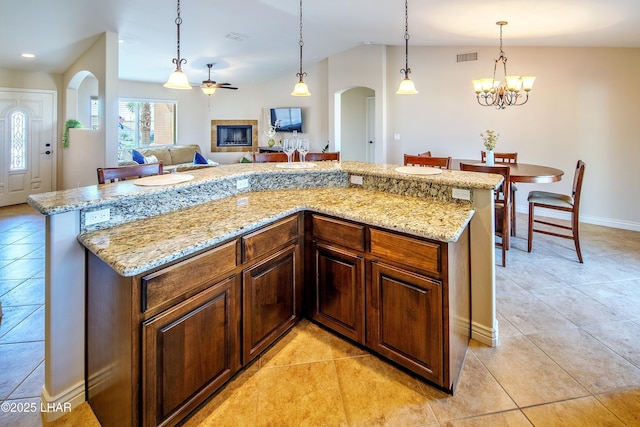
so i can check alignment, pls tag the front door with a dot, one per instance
(27, 142)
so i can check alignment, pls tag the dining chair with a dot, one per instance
(271, 157)
(121, 173)
(502, 203)
(508, 158)
(560, 202)
(326, 156)
(434, 162)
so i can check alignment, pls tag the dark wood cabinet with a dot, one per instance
(339, 290)
(190, 351)
(160, 343)
(269, 301)
(406, 319)
(406, 298)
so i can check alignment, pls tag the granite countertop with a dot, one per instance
(139, 246)
(96, 195)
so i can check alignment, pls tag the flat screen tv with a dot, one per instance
(287, 119)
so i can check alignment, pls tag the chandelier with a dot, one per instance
(490, 93)
(178, 79)
(301, 88)
(407, 87)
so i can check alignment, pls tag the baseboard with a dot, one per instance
(587, 219)
(485, 335)
(53, 407)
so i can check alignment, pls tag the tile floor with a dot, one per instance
(569, 352)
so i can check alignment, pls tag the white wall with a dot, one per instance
(584, 105)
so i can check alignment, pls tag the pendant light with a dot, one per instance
(178, 79)
(301, 88)
(407, 87)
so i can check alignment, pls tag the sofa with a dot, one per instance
(174, 158)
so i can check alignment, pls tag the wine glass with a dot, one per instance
(289, 147)
(303, 148)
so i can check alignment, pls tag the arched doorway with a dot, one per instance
(355, 124)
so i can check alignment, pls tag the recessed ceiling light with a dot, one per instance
(28, 55)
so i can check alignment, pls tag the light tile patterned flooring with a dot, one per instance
(569, 352)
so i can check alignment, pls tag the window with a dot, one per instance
(18, 150)
(144, 122)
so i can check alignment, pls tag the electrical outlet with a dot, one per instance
(97, 217)
(242, 184)
(458, 193)
(242, 201)
(356, 179)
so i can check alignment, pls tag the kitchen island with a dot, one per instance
(152, 226)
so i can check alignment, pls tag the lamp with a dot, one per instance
(301, 88)
(209, 86)
(178, 79)
(490, 93)
(407, 87)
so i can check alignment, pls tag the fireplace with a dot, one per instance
(234, 135)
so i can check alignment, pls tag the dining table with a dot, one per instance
(521, 172)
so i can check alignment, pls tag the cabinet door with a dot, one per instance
(338, 291)
(189, 352)
(271, 300)
(406, 326)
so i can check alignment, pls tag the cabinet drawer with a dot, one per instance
(269, 238)
(340, 232)
(423, 255)
(169, 283)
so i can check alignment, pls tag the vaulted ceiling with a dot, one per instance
(257, 40)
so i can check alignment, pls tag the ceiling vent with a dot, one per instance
(464, 57)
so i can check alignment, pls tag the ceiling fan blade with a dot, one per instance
(223, 84)
(228, 87)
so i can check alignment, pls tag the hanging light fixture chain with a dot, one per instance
(406, 70)
(179, 61)
(301, 43)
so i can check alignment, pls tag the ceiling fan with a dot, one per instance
(209, 86)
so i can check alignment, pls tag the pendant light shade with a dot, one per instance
(177, 79)
(407, 87)
(301, 88)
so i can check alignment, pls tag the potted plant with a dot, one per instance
(68, 125)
